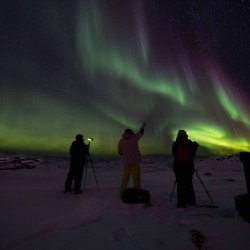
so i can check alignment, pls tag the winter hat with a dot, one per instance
(182, 132)
(128, 131)
(79, 137)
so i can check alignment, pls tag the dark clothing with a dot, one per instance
(185, 189)
(74, 174)
(184, 151)
(78, 152)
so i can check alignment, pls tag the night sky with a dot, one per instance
(98, 67)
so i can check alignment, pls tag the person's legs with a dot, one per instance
(191, 199)
(78, 180)
(68, 182)
(136, 173)
(125, 179)
(181, 192)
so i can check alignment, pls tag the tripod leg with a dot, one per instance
(172, 192)
(204, 186)
(94, 172)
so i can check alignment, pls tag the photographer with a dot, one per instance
(78, 152)
(184, 151)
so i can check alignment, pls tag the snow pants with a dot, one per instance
(128, 170)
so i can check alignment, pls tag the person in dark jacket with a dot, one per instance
(184, 151)
(78, 152)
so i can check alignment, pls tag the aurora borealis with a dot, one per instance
(98, 67)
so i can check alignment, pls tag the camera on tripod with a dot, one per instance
(89, 159)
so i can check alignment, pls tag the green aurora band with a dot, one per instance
(123, 86)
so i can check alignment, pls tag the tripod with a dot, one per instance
(201, 184)
(89, 159)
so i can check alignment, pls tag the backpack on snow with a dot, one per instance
(132, 195)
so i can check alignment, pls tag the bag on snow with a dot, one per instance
(132, 195)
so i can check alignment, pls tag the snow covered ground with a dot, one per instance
(36, 214)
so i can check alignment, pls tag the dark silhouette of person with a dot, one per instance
(184, 151)
(78, 152)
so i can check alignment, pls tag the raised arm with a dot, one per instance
(142, 127)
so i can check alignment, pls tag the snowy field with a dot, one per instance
(36, 214)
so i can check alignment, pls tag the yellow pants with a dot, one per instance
(128, 170)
